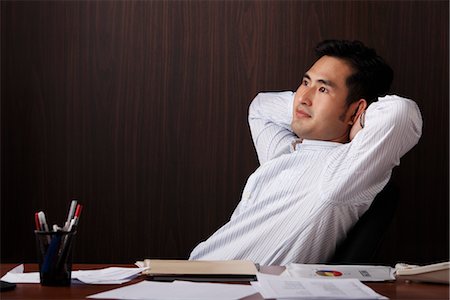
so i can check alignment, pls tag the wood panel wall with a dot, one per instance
(139, 110)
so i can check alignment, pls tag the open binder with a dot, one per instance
(200, 270)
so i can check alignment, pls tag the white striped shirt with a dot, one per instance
(302, 199)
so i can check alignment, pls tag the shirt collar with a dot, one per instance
(313, 144)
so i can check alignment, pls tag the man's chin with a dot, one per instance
(298, 129)
(303, 135)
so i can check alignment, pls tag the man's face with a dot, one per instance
(320, 109)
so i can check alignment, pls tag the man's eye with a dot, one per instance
(323, 90)
(305, 82)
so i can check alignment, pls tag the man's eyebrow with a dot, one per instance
(327, 82)
(322, 81)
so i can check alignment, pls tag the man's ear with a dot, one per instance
(356, 109)
(355, 122)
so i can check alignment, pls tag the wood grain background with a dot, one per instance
(139, 110)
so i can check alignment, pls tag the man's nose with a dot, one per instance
(306, 97)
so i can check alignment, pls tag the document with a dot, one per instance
(16, 275)
(178, 290)
(271, 286)
(361, 272)
(112, 275)
(200, 270)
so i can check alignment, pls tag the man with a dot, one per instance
(325, 151)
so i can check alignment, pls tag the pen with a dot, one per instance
(50, 255)
(65, 249)
(43, 224)
(72, 223)
(36, 221)
(42, 221)
(78, 213)
(75, 219)
(73, 205)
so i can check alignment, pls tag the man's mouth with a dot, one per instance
(301, 114)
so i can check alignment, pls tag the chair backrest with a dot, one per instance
(364, 238)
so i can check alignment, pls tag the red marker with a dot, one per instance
(76, 218)
(36, 220)
(77, 213)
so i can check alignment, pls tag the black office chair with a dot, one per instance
(364, 238)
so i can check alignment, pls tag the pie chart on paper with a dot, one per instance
(328, 273)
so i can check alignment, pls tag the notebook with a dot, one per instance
(200, 270)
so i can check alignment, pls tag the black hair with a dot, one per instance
(372, 76)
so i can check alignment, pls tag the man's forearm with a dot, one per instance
(269, 118)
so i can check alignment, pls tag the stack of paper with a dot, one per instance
(110, 275)
(178, 290)
(271, 286)
(360, 272)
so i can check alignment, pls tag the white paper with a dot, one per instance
(271, 286)
(112, 275)
(178, 290)
(140, 264)
(16, 275)
(361, 272)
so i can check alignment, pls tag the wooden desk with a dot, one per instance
(392, 290)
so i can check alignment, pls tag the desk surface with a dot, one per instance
(392, 290)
